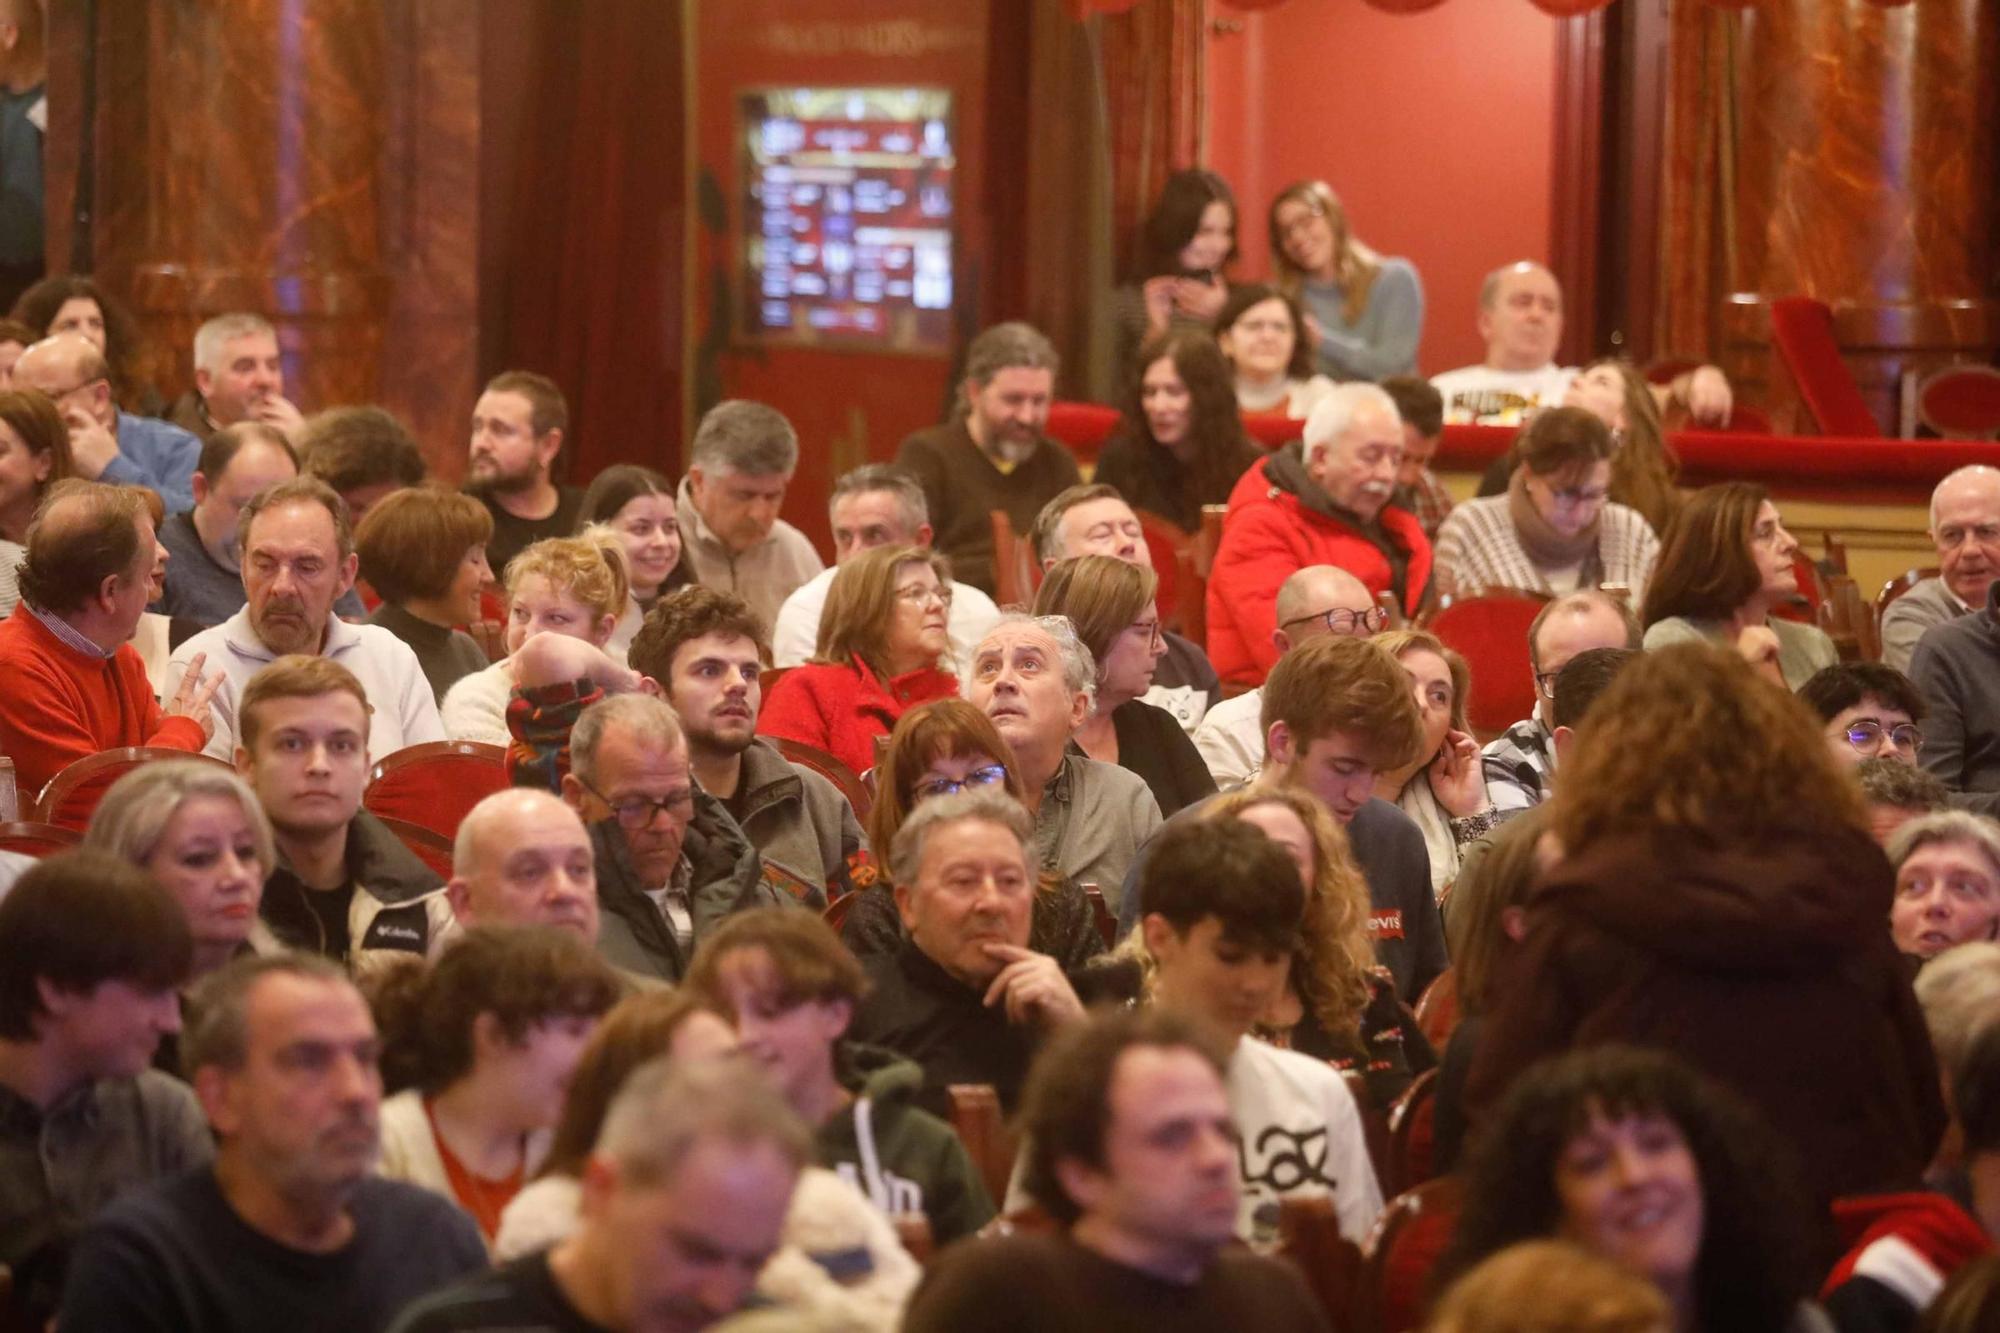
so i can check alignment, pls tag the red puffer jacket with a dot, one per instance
(1279, 522)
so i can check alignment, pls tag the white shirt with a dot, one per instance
(404, 712)
(1483, 396)
(1231, 738)
(797, 631)
(1302, 1135)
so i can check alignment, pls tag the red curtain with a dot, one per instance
(1151, 57)
(1559, 8)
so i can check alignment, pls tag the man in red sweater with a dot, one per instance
(70, 682)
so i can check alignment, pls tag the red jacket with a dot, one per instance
(842, 709)
(1272, 532)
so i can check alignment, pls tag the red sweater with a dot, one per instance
(58, 706)
(842, 709)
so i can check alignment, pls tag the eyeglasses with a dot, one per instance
(1867, 735)
(978, 777)
(917, 594)
(637, 812)
(1575, 497)
(1340, 620)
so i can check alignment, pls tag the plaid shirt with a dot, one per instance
(1519, 763)
(1428, 500)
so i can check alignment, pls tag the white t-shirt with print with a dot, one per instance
(1301, 1135)
(1483, 396)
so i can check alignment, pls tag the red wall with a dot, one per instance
(1435, 129)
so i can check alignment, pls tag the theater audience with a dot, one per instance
(1960, 994)
(704, 649)
(1520, 762)
(343, 886)
(14, 339)
(882, 648)
(1953, 668)
(91, 952)
(107, 443)
(71, 683)
(1261, 333)
(1869, 711)
(1364, 313)
(875, 505)
(1714, 889)
(1177, 284)
(519, 426)
(73, 304)
(1726, 563)
(364, 453)
(1947, 882)
(1132, 1149)
(483, 1043)
(1965, 528)
(1322, 503)
(522, 858)
(34, 455)
(1555, 530)
(298, 559)
(1897, 792)
(238, 376)
(993, 453)
(1640, 1160)
(1443, 790)
(965, 998)
(637, 504)
(791, 989)
(742, 460)
(1550, 1286)
(1109, 604)
(1180, 444)
(1417, 487)
(288, 1229)
(423, 550)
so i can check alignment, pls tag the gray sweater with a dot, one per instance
(1910, 616)
(1955, 665)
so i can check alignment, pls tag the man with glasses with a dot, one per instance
(106, 444)
(1317, 600)
(670, 862)
(1868, 711)
(1520, 763)
(1965, 527)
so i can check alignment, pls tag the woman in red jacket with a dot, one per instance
(880, 639)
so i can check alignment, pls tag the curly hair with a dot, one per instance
(1239, 303)
(1705, 569)
(124, 350)
(1690, 739)
(684, 615)
(1644, 466)
(941, 729)
(1755, 1262)
(590, 568)
(1221, 449)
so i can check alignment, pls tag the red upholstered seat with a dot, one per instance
(71, 796)
(31, 837)
(1165, 541)
(830, 768)
(1273, 430)
(1961, 401)
(1491, 630)
(1803, 330)
(1409, 1239)
(1413, 1131)
(1082, 427)
(1437, 1009)
(436, 784)
(432, 848)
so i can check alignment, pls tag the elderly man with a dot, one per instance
(875, 505)
(71, 684)
(1521, 321)
(993, 453)
(684, 1199)
(743, 459)
(289, 1229)
(964, 997)
(1965, 527)
(523, 858)
(518, 428)
(1322, 502)
(238, 376)
(1318, 599)
(106, 444)
(1521, 761)
(1131, 1145)
(298, 560)
(1036, 681)
(1954, 667)
(364, 453)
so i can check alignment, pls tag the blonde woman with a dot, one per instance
(1364, 313)
(1444, 788)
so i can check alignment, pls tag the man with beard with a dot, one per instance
(704, 649)
(992, 454)
(298, 560)
(288, 1229)
(744, 457)
(518, 426)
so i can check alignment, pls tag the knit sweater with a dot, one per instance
(1478, 547)
(962, 488)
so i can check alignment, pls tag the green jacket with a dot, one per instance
(902, 1157)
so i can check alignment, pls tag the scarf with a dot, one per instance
(1546, 547)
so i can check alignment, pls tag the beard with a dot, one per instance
(286, 627)
(495, 481)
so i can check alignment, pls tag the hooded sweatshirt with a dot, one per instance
(902, 1157)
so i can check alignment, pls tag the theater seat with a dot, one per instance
(1082, 428)
(31, 837)
(1961, 402)
(71, 796)
(830, 768)
(1803, 330)
(1409, 1239)
(435, 785)
(1437, 1009)
(1166, 543)
(1413, 1131)
(1491, 630)
(430, 846)
(976, 1119)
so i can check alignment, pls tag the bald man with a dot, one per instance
(1315, 601)
(106, 444)
(523, 858)
(1521, 761)
(1965, 527)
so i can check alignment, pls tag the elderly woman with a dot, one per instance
(1177, 283)
(1643, 465)
(1947, 882)
(1364, 313)
(423, 550)
(881, 638)
(1181, 444)
(1726, 563)
(1261, 332)
(1555, 530)
(1109, 602)
(637, 505)
(572, 586)
(1444, 789)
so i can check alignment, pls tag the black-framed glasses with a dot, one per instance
(1867, 735)
(1340, 620)
(637, 812)
(978, 777)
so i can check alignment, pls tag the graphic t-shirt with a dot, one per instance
(1301, 1135)
(1483, 396)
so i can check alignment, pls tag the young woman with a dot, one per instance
(1181, 444)
(1261, 332)
(1184, 244)
(34, 455)
(1444, 791)
(1364, 314)
(423, 550)
(637, 504)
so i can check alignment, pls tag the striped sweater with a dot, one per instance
(1477, 548)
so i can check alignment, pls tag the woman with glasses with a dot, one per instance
(1947, 882)
(1556, 530)
(1364, 313)
(1726, 563)
(1261, 332)
(882, 637)
(1110, 603)
(1867, 711)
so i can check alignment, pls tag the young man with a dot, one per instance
(1132, 1149)
(791, 988)
(518, 428)
(364, 454)
(92, 951)
(1869, 711)
(1222, 925)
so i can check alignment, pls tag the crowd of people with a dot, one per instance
(791, 853)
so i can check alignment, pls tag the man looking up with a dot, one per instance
(518, 428)
(106, 444)
(238, 376)
(743, 459)
(875, 505)
(1965, 527)
(1521, 761)
(993, 453)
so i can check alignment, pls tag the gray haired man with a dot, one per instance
(744, 456)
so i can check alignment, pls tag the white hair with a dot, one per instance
(1336, 412)
(1079, 667)
(212, 337)
(1959, 992)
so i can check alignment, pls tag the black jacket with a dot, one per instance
(728, 878)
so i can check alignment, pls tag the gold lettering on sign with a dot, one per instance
(899, 38)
